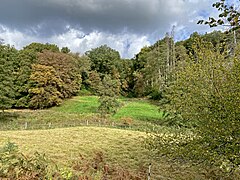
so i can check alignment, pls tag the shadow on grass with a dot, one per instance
(8, 116)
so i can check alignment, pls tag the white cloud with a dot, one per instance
(127, 44)
(14, 37)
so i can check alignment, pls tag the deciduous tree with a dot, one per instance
(7, 58)
(103, 59)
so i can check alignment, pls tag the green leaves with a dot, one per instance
(228, 16)
(54, 77)
(206, 91)
(103, 59)
(153, 67)
(45, 84)
(15, 165)
(7, 59)
(108, 92)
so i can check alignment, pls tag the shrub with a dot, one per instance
(156, 95)
(109, 92)
(206, 92)
(15, 165)
(126, 121)
(98, 168)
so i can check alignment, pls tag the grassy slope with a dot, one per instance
(120, 146)
(134, 108)
(139, 110)
(79, 104)
(82, 108)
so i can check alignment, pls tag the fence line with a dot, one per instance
(53, 125)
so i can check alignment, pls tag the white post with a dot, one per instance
(149, 171)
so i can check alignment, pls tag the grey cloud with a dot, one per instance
(85, 24)
(51, 16)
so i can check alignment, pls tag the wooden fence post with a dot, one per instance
(149, 171)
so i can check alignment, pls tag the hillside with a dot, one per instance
(120, 148)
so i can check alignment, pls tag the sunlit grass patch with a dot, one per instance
(81, 110)
(139, 110)
(79, 104)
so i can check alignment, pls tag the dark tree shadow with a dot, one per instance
(8, 116)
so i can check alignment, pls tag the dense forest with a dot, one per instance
(196, 82)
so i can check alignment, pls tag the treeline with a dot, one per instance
(38, 76)
(42, 75)
(154, 66)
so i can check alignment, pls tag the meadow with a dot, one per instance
(82, 110)
(121, 145)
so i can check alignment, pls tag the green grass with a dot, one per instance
(133, 108)
(77, 110)
(80, 105)
(63, 145)
(139, 110)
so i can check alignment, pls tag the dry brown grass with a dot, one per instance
(121, 148)
(63, 145)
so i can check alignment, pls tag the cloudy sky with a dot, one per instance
(124, 25)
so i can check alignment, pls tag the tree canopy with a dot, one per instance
(103, 59)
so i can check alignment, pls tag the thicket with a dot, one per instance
(206, 93)
(15, 165)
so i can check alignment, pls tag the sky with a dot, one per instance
(124, 25)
